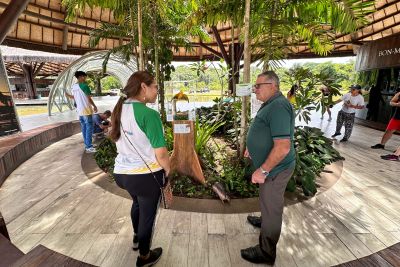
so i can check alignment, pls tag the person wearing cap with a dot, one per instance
(352, 101)
(394, 123)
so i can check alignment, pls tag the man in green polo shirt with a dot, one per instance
(270, 146)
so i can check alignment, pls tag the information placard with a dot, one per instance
(243, 89)
(181, 128)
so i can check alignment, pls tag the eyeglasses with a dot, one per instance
(257, 85)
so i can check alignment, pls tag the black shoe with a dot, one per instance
(344, 140)
(378, 146)
(391, 157)
(256, 255)
(135, 243)
(254, 220)
(155, 255)
(336, 134)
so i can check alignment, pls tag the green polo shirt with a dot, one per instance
(274, 120)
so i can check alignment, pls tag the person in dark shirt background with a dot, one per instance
(100, 122)
(375, 98)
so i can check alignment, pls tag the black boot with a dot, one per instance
(254, 220)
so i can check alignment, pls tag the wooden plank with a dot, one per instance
(236, 240)
(28, 242)
(198, 240)
(98, 251)
(52, 214)
(42, 256)
(182, 223)
(121, 215)
(178, 251)
(372, 243)
(218, 252)
(371, 261)
(120, 253)
(82, 245)
(163, 234)
(215, 223)
(9, 252)
(391, 255)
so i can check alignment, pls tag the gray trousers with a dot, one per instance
(271, 204)
(348, 120)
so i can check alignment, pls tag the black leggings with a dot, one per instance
(145, 193)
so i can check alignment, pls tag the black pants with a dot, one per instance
(348, 120)
(145, 193)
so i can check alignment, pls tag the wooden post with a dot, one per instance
(184, 159)
(10, 16)
(29, 80)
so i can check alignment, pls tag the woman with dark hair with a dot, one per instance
(291, 95)
(142, 163)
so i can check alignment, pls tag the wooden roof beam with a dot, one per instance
(10, 16)
(220, 45)
(218, 54)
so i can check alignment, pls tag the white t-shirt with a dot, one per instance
(143, 128)
(80, 93)
(357, 100)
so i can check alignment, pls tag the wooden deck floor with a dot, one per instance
(48, 200)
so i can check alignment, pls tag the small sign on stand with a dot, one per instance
(243, 89)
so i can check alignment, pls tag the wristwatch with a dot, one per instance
(266, 173)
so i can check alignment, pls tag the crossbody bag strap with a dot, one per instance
(154, 176)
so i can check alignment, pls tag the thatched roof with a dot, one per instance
(42, 27)
(50, 64)
(14, 54)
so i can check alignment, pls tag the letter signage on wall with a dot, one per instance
(9, 123)
(379, 54)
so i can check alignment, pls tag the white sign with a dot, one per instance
(243, 89)
(255, 105)
(181, 128)
(170, 117)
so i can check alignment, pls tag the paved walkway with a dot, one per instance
(30, 122)
(48, 200)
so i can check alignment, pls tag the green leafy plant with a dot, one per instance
(204, 132)
(313, 153)
(105, 155)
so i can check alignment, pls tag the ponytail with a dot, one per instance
(132, 89)
(115, 132)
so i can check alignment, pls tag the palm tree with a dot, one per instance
(277, 25)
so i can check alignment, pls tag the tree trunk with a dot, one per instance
(134, 48)
(246, 78)
(98, 84)
(141, 58)
(161, 94)
(233, 92)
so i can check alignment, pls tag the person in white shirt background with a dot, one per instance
(352, 102)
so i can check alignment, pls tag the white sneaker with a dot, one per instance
(90, 150)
